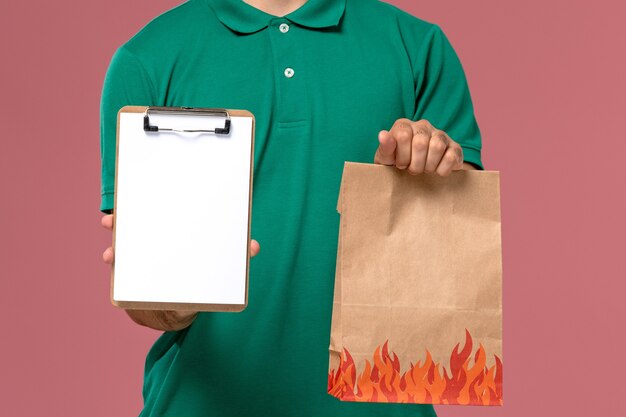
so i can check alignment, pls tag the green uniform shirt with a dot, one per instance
(321, 82)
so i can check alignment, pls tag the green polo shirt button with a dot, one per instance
(289, 72)
(284, 27)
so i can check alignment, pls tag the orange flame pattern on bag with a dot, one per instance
(422, 383)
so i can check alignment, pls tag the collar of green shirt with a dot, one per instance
(241, 17)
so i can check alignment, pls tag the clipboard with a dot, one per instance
(183, 201)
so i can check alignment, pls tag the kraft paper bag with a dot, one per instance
(417, 312)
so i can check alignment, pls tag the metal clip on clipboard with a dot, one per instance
(188, 111)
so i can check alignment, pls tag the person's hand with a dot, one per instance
(166, 320)
(418, 147)
(108, 256)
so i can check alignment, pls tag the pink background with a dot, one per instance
(548, 83)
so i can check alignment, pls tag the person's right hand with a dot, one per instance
(108, 256)
(164, 320)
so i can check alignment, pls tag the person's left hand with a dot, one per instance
(418, 147)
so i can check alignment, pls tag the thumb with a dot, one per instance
(386, 152)
(255, 248)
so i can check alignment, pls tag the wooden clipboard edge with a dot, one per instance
(200, 307)
(146, 305)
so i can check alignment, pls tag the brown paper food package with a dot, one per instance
(417, 312)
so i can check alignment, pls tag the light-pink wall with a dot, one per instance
(548, 82)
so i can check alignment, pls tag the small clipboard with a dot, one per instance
(183, 201)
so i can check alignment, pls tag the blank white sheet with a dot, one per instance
(182, 207)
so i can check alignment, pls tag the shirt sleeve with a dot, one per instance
(443, 96)
(126, 83)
